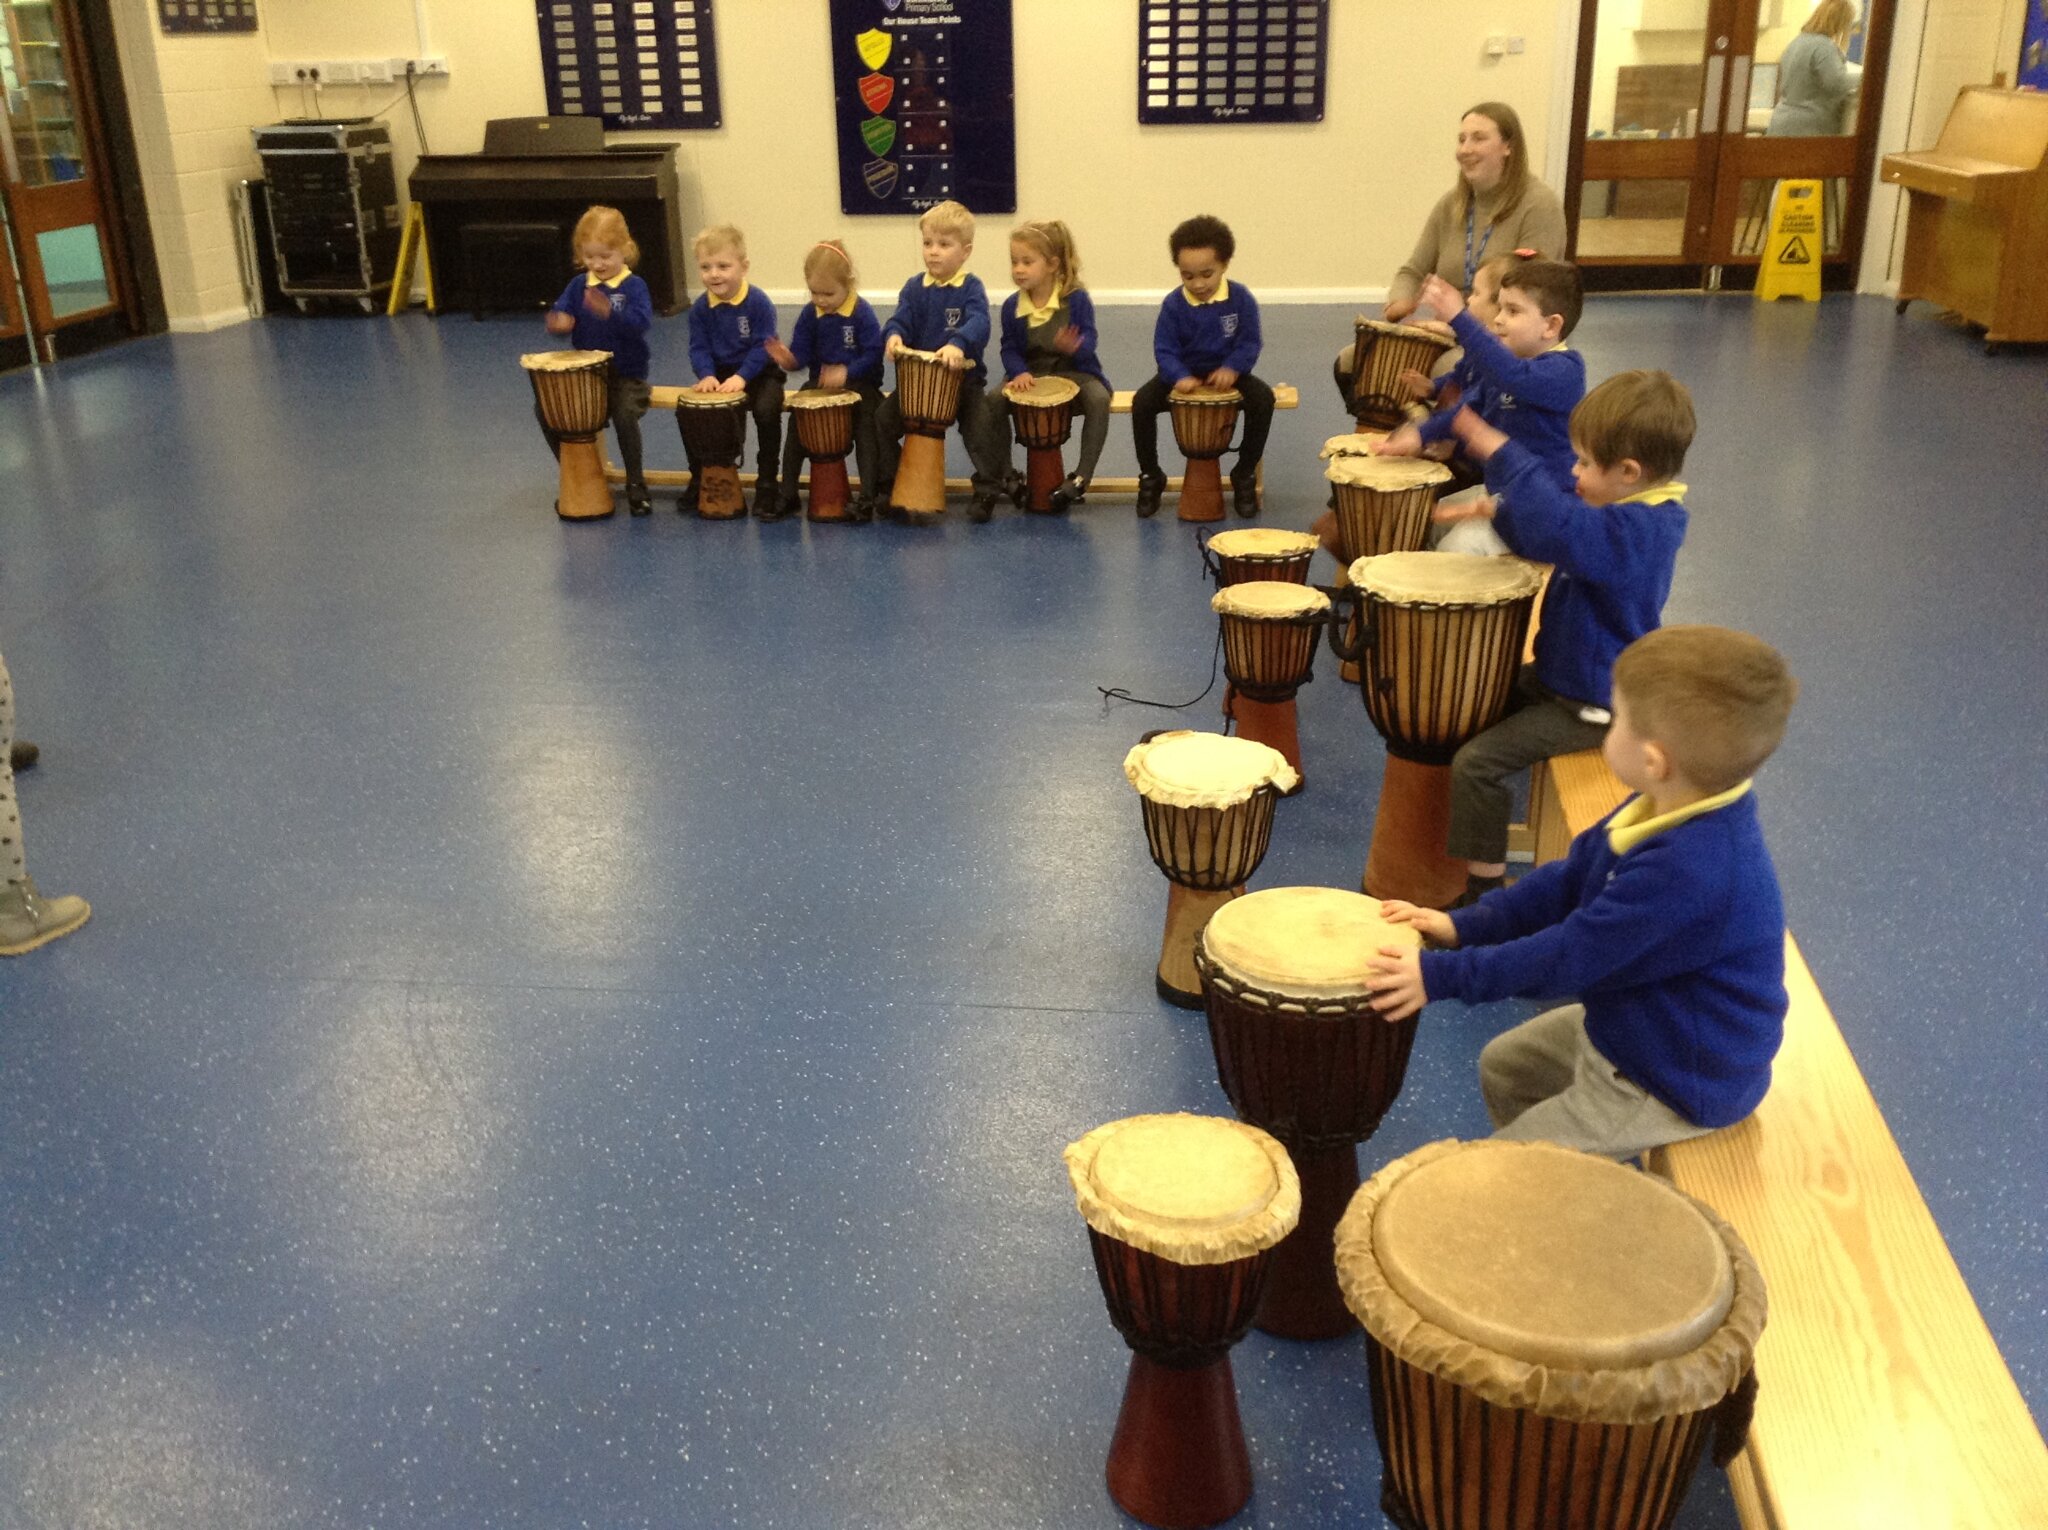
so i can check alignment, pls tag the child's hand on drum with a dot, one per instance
(891, 347)
(1434, 925)
(1480, 509)
(1415, 384)
(1394, 979)
(560, 323)
(1068, 340)
(1187, 385)
(597, 302)
(833, 376)
(1405, 442)
(779, 353)
(1021, 381)
(952, 356)
(1440, 295)
(733, 384)
(1481, 439)
(705, 385)
(1223, 377)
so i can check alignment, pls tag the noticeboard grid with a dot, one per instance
(1210, 61)
(635, 63)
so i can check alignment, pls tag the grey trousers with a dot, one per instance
(1545, 1082)
(12, 867)
(1538, 726)
(976, 434)
(1094, 404)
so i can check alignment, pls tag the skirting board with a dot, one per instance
(206, 323)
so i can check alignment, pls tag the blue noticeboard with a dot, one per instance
(635, 63)
(925, 104)
(1203, 61)
(206, 15)
(2034, 47)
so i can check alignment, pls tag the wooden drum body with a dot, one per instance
(1302, 1054)
(1208, 806)
(714, 431)
(1270, 633)
(1044, 417)
(1383, 503)
(573, 390)
(1253, 553)
(928, 397)
(824, 428)
(1203, 422)
(1183, 1212)
(1440, 642)
(1553, 1337)
(1383, 352)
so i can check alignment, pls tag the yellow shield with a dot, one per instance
(874, 47)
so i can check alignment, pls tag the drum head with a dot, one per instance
(562, 361)
(1270, 600)
(911, 353)
(1440, 338)
(820, 398)
(691, 398)
(1387, 474)
(1208, 397)
(1191, 1189)
(1357, 443)
(1205, 770)
(1313, 942)
(1262, 542)
(1044, 392)
(1447, 579)
(1554, 1257)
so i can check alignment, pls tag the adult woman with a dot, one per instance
(1813, 76)
(1496, 205)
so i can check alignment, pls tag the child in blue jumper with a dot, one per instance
(1049, 331)
(1664, 920)
(1207, 335)
(1614, 545)
(945, 311)
(608, 308)
(838, 340)
(731, 324)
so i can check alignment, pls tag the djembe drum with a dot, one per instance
(1440, 642)
(1303, 1055)
(1353, 443)
(1044, 416)
(1383, 503)
(1202, 425)
(1381, 353)
(1208, 803)
(1552, 1337)
(714, 430)
(928, 397)
(1183, 1212)
(1253, 553)
(1270, 633)
(824, 428)
(573, 391)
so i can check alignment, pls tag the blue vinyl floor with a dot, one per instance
(580, 1022)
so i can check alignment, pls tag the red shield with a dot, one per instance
(877, 90)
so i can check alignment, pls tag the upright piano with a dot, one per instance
(540, 172)
(1977, 214)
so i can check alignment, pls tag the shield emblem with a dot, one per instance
(880, 174)
(879, 134)
(876, 92)
(874, 45)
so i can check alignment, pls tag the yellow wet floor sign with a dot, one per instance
(1792, 253)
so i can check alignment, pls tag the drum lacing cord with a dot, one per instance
(1118, 693)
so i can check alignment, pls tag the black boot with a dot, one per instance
(1151, 489)
(638, 500)
(1069, 494)
(768, 499)
(1244, 494)
(982, 506)
(23, 754)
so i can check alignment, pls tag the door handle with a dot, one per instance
(1710, 99)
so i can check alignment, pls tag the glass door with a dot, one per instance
(1688, 112)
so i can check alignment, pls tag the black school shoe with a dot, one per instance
(1244, 496)
(982, 506)
(22, 754)
(686, 502)
(1151, 489)
(768, 504)
(638, 500)
(1070, 493)
(861, 511)
(1017, 487)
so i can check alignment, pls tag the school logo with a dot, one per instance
(846, 336)
(873, 46)
(746, 328)
(1230, 324)
(954, 316)
(880, 175)
(876, 92)
(879, 134)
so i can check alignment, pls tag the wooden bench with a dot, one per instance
(1285, 396)
(1882, 1399)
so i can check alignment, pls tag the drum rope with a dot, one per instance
(1118, 693)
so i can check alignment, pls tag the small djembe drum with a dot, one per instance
(1303, 1055)
(1208, 803)
(824, 428)
(714, 430)
(1270, 634)
(1203, 422)
(1552, 1337)
(1382, 352)
(1383, 503)
(928, 397)
(574, 392)
(1183, 1212)
(1253, 553)
(1044, 416)
(1440, 642)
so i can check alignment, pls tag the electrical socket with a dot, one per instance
(374, 71)
(337, 72)
(281, 73)
(433, 67)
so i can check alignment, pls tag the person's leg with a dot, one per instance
(888, 446)
(975, 433)
(764, 402)
(1342, 370)
(867, 448)
(630, 397)
(1145, 406)
(1258, 424)
(1094, 426)
(792, 469)
(1539, 728)
(997, 461)
(1599, 1111)
(1530, 1062)
(27, 918)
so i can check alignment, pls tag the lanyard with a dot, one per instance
(1472, 258)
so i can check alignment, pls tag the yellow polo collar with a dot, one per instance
(957, 279)
(735, 300)
(844, 310)
(1633, 824)
(1032, 315)
(1222, 292)
(1657, 494)
(617, 281)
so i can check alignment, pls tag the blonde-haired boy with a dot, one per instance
(1665, 919)
(731, 324)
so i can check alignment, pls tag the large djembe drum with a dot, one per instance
(1182, 1214)
(1382, 352)
(928, 397)
(1303, 1055)
(1383, 503)
(1252, 553)
(1208, 803)
(1270, 634)
(1044, 416)
(1203, 421)
(824, 428)
(714, 431)
(1440, 638)
(1553, 1338)
(573, 392)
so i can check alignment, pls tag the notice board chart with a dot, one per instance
(635, 63)
(924, 108)
(1232, 60)
(206, 15)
